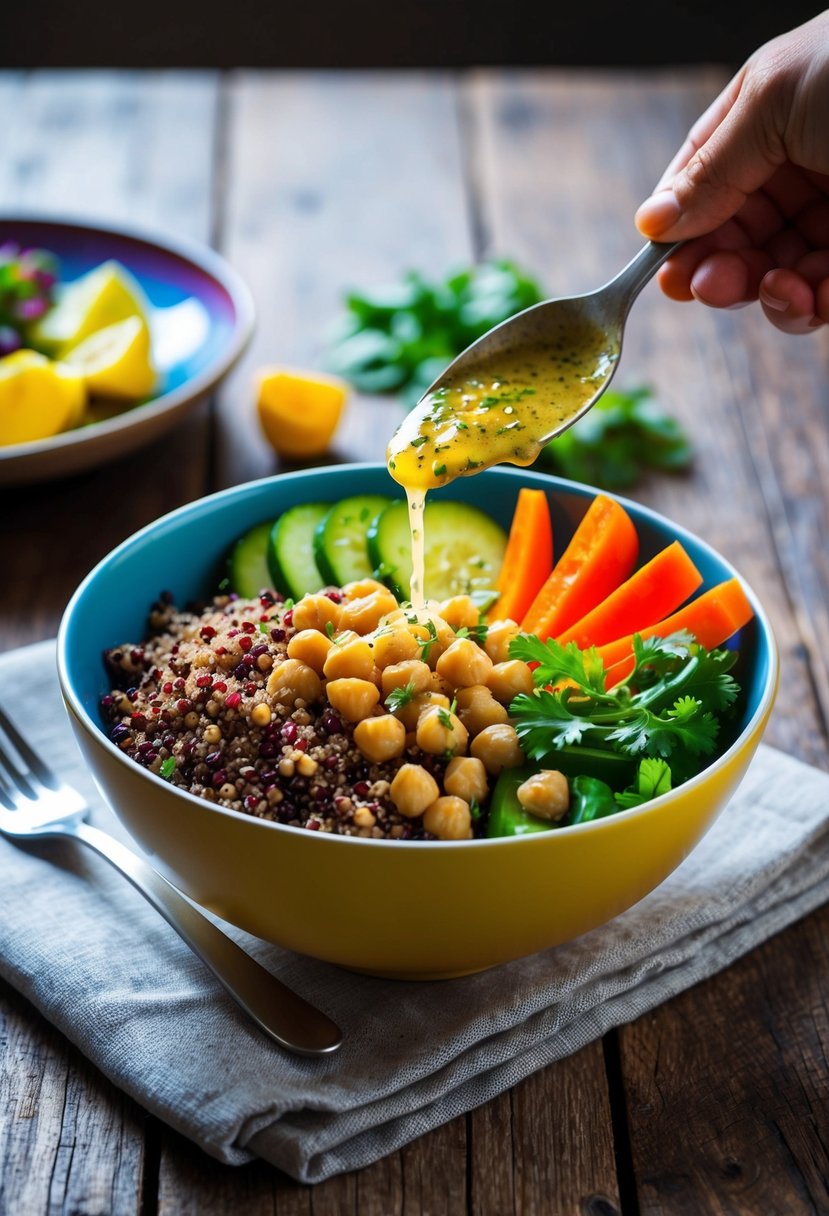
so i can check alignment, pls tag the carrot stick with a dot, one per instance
(712, 618)
(600, 556)
(528, 558)
(659, 587)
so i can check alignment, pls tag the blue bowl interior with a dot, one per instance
(184, 553)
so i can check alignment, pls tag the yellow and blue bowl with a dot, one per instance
(413, 910)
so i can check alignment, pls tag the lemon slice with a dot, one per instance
(299, 411)
(100, 298)
(116, 361)
(38, 398)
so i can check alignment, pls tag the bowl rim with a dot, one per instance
(198, 255)
(171, 518)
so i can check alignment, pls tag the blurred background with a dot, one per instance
(376, 34)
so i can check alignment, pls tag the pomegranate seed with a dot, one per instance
(288, 618)
(278, 635)
(167, 687)
(220, 686)
(248, 626)
(184, 706)
(233, 699)
(204, 682)
(289, 732)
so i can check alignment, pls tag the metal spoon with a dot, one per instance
(605, 309)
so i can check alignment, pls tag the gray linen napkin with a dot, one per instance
(87, 950)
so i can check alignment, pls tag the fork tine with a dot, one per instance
(34, 770)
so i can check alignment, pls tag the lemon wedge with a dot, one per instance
(116, 361)
(38, 398)
(299, 411)
(105, 295)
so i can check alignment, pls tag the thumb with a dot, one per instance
(722, 168)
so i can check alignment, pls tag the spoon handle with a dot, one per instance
(626, 285)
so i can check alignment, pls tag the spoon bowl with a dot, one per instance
(605, 309)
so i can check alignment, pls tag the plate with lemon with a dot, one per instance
(107, 336)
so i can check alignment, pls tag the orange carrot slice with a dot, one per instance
(658, 588)
(528, 558)
(712, 618)
(600, 556)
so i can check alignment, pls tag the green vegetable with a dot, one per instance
(624, 434)
(590, 799)
(248, 570)
(168, 767)
(669, 705)
(340, 541)
(653, 778)
(404, 336)
(291, 549)
(464, 549)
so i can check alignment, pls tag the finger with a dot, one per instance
(792, 189)
(730, 280)
(676, 274)
(786, 248)
(813, 223)
(741, 155)
(702, 130)
(789, 302)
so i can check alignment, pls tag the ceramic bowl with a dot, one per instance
(201, 319)
(406, 909)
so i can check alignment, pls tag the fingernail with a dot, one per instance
(658, 213)
(773, 302)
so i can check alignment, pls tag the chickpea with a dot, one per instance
(362, 587)
(441, 685)
(498, 748)
(212, 734)
(310, 647)
(413, 789)
(411, 671)
(438, 641)
(463, 663)
(460, 611)
(478, 709)
(315, 612)
(394, 644)
(260, 715)
(498, 637)
(380, 739)
(364, 818)
(465, 777)
(352, 659)
(363, 613)
(409, 714)
(448, 818)
(507, 680)
(439, 731)
(354, 699)
(293, 681)
(545, 794)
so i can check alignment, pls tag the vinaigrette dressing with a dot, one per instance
(503, 411)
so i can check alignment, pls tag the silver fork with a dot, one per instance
(34, 803)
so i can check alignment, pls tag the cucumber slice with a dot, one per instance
(340, 545)
(464, 549)
(248, 568)
(291, 549)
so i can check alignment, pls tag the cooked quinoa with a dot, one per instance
(343, 713)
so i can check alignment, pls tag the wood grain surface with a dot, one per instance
(717, 1101)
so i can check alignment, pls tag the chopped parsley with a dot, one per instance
(398, 697)
(168, 767)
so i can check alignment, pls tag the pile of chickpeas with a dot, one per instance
(407, 680)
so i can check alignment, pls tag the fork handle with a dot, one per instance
(280, 1013)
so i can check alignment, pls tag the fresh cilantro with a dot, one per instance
(398, 697)
(329, 629)
(445, 716)
(667, 706)
(168, 767)
(653, 777)
(474, 809)
(427, 644)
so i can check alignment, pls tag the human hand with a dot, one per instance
(749, 189)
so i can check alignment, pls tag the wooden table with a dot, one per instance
(715, 1102)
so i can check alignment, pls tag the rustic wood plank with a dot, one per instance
(728, 1086)
(69, 1141)
(546, 1145)
(119, 147)
(334, 181)
(756, 485)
